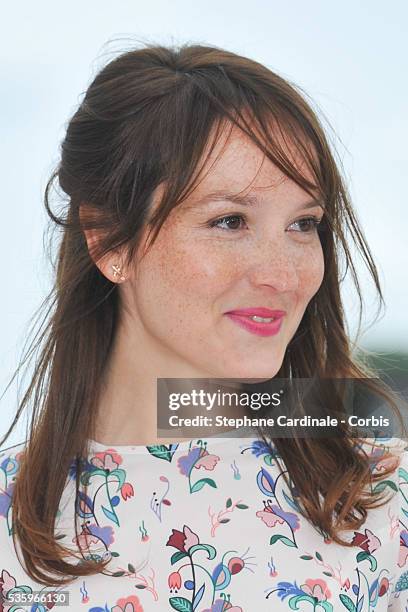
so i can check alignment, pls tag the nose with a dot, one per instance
(273, 263)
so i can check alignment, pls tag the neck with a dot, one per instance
(127, 407)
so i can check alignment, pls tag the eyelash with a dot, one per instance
(315, 220)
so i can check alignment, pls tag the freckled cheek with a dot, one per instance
(201, 269)
(311, 273)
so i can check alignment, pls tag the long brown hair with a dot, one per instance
(145, 121)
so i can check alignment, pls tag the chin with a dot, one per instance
(252, 373)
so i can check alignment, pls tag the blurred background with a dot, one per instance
(350, 58)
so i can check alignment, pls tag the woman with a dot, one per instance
(199, 184)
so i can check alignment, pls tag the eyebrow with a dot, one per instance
(244, 200)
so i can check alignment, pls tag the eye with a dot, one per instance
(310, 224)
(233, 222)
(230, 220)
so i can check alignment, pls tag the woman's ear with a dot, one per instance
(110, 265)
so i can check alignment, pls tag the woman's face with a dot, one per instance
(213, 256)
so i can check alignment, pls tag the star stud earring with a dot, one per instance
(117, 272)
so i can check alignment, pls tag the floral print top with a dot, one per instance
(210, 526)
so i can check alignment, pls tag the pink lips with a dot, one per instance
(242, 318)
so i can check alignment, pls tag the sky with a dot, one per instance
(350, 58)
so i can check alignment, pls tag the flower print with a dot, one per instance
(7, 582)
(84, 505)
(235, 565)
(107, 460)
(186, 462)
(161, 451)
(174, 582)
(197, 457)
(272, 568)
(316, 588)
(85, 538)
(104, 466)
(219, 518)
(269, 517)
(367, 541)
(273, 514)
(106, 534)
(384, 587)
(223, 572)
(266, 483)
(259, 448)
(10, 465)
(5, 500)
(143, 532)
(184, 540)
(287, 589)
(158, 500)
(207, 461)
(84, 466)
(377, 588)
(128, 604)
(127, 491)
(313, 591)
(220, 605)
(383, 460)
(187, 543)
(403, 551)
(385, 463)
